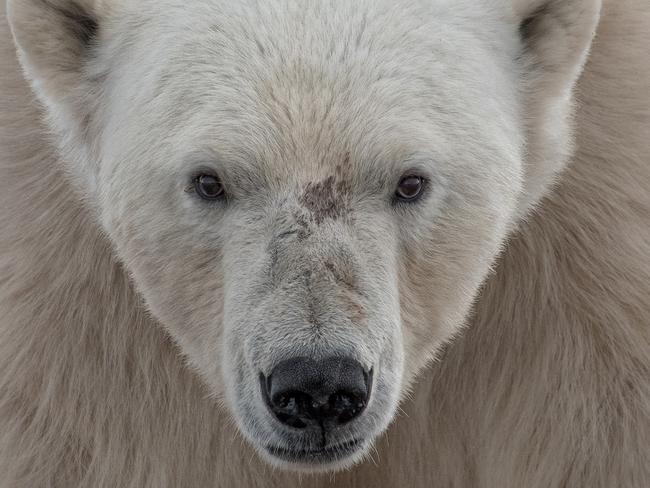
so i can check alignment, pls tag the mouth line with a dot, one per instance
(328, 454)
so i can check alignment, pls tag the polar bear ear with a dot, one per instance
(557, 36)
(56, 42)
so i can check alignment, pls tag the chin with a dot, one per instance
(328, 460)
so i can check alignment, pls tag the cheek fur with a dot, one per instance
(439, 276)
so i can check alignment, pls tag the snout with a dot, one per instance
(317, 399)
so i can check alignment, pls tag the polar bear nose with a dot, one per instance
(302, 392)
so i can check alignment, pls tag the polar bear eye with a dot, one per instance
(209, 187)
(410, 188)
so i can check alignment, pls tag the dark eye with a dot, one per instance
(409, 188)
(209, 187)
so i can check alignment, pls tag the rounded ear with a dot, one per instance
(56, 39)
(557, 36)
(58, 46)
(59, 49)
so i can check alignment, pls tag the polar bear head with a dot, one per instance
(308, 195)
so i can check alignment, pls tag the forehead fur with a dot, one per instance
(375, 79)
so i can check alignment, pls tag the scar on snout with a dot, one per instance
(326, 199)
(303, 227)
(346, 279)
(349, 295)
(352, 307)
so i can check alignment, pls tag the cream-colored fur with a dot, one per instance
(549, 385)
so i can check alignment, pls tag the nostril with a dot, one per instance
(291, 407)
(346, 406)
(302, 392)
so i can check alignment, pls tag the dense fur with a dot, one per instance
(547, 386)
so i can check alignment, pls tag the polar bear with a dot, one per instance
(237, 236)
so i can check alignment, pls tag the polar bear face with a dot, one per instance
(275, 203)
(307, 196)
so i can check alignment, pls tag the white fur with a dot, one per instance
(135, 318)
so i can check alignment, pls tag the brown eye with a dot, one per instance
(409, 188)
(209, 187)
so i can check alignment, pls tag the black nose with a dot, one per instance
(302, 392)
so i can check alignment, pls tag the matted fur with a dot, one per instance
(549, 385)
